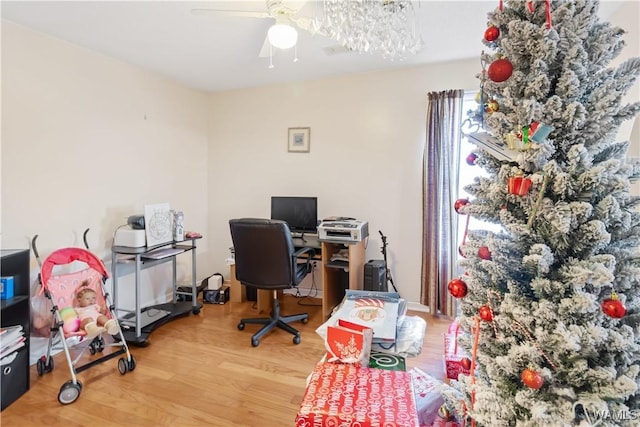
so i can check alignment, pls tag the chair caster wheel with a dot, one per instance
(305, 321)
(296, 339)
(241, 326)
(255, 342)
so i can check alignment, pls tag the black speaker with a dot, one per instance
(375, 276)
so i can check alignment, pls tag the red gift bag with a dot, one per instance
(456, 360)
(349, 343)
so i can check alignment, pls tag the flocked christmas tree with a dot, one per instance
(556, 294)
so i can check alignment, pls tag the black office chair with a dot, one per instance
(266, 259)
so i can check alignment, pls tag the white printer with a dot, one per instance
(129, 237)
(343, 231)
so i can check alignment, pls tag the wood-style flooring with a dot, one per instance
(200, 370)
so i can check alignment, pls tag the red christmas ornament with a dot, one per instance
(500, 70)
(459, 204)
(486, 313)
(484, 253)
(465, 362)
(492, 33)
(531, 379)
(457, 288)
(613, 307)
(471, 159)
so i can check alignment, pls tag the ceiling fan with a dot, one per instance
(282, 34)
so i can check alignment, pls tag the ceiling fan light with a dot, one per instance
(282, 36)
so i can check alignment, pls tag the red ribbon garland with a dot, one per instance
(548, 13)
(474, 353)
(530, 6)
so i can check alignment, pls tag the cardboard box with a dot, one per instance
(350, 395)
(6, 287)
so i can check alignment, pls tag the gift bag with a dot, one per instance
(348, 343)
(427, 394)
(456, 360)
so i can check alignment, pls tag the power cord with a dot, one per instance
(313, 289)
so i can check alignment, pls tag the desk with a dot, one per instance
(334, 278)
(137, 324)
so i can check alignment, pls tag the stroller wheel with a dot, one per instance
(48, 367)
(122, 366)
(40, 365)
(69, 392)
(44, 367)
(100, 345)
(132, 363)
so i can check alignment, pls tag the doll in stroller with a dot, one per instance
(92, 316)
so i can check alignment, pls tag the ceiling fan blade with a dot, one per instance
(305, 24)
(266, 49)
(227, 12)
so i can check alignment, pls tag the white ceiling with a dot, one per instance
(220, 52)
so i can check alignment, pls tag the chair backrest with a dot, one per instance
(264, 253)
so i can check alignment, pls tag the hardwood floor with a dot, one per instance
(199, 370)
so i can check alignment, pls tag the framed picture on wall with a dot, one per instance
(299, 140)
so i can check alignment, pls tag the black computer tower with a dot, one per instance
(375, 276)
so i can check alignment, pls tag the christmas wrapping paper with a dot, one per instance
(456, 361)
(427, 395)
(349, 395)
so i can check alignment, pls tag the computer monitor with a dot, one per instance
(300, 213)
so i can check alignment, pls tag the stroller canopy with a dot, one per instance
(67, 256)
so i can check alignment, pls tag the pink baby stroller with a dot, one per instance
(81, 270)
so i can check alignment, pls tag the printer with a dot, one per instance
(343, 231)
(130, 237)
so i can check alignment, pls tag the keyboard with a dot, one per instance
(306, 242)
(162, 253)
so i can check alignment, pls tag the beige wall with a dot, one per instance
(87, 141)
(367, 136)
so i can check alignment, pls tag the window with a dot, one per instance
(469, 172)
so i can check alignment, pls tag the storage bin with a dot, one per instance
(13, 380)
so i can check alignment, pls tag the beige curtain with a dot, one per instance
(441, 165)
